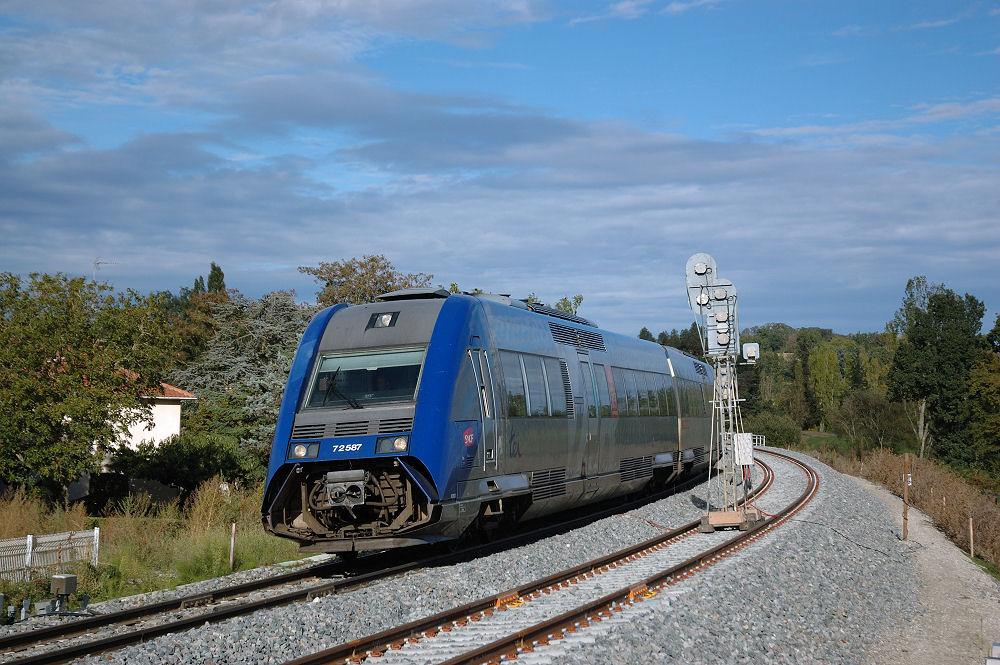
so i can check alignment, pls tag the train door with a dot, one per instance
(487, 403)
(591, 429)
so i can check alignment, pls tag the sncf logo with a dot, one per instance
(469, 437)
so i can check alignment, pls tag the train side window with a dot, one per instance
(640, 386)
(466, 404)
(665, 393)
(621, 392)
(557, 392)
(602, 391)
(513, 384)
(687, 408)
(654, 407)
(538, 405)
(633, 396)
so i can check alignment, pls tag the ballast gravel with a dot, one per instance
(819, 589)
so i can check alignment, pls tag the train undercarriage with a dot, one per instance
(329, 507)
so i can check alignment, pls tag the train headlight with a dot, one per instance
(392, 444)
(308, 450)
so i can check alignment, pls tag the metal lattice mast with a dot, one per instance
(713, 301)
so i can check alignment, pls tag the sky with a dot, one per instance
(822, 151)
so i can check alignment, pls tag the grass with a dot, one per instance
(937, 491)
(146, 547)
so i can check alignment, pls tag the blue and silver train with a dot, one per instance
(426, 414)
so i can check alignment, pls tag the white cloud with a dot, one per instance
(679, 7)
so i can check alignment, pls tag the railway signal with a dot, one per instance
(713, 301)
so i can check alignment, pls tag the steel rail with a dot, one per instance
(356, 651)
(509, 647)
(34, 638)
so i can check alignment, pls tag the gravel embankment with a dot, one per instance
(817, 590)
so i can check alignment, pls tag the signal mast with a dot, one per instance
(713, 301)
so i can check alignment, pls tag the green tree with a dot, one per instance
(216, 279)
(688, 340)
(572, 306)
(241, 375)
(826, 383)
(187, 460)
(984, 398)
(932, 366)
(646, 335)
(985, 414)
(361, 280)
(192, 312)
(75, 361)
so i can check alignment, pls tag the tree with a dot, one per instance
(918, 290)
(984, 398)
(187, 460)
(361, 280)
(932, 367)
(75, 361)
(866, 417)
(216, 279)
(688, 340)
(241, 375)
(646, 335)
(568, 306)
(192, 312)
(826, 382)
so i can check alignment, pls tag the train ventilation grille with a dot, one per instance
(548, 483)
(585, 339)
(391, 425)
(309, 431)
(567, 388)
(699, 455)
(635, 467)
(467, 462)
(698, 367)
(351, 429)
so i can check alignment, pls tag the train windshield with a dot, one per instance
(359, 379)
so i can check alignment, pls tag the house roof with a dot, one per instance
(168, 391)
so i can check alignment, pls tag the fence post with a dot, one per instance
(28, 547)
(97, 544)
(232, 548)
(972, 542)
(906, 489)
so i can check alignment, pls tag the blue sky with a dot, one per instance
(823, 152)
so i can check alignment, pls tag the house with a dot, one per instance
(166, 420)
(165, 423)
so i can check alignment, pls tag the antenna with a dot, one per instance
(98, 262)
(713, 301)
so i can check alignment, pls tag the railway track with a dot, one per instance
(71, 639)
(531, 616)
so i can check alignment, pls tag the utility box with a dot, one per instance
(63, 585)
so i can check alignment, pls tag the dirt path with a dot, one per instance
(958, 610)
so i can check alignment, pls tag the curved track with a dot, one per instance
(528, 617)
(140, 624)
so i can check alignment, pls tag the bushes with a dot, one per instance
(145, 546)
(781, 430)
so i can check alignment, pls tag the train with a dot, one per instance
(428, 415)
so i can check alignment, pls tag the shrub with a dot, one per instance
(780, 430)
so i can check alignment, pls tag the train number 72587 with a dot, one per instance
(346, 447)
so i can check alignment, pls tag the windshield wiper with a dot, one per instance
(333, 389)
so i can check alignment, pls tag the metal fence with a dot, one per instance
(759, 440)
(19, 557)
